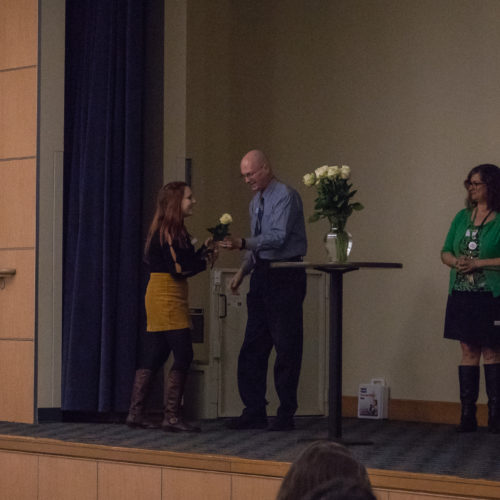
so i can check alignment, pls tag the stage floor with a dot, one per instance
(397, 446)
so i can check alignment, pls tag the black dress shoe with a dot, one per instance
(282, 424)
(247, 422)
(468, 423)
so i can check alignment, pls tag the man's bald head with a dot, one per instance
(256, 170)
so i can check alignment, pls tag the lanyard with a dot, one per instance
(474, 231)
(482, 223)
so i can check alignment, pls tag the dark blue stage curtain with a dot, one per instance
(102, 202)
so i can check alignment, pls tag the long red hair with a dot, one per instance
(168, 218)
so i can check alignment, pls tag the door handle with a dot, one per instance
(221, 316)
(5, 273)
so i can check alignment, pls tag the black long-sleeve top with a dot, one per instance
(161, 260)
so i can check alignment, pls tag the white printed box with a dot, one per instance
(373, 399)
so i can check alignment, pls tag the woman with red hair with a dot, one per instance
(172, 259)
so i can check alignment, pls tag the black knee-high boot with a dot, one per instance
(468, 377)
(492, 376)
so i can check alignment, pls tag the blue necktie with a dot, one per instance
(260, 213)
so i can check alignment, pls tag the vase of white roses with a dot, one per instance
(334, 202)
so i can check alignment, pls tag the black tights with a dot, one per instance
(155, 347)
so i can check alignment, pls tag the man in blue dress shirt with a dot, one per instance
(276, 295)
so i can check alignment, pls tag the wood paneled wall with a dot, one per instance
(18, 180)
(33, 476)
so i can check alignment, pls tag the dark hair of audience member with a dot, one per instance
(320, 462)
(341, 489)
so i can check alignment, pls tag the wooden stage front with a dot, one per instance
(86, 461)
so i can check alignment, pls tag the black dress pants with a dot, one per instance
(275, 319)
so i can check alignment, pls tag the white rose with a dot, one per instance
(345, 172)
(321, 172)
(309, 179)
(226, 219)
(333, 172)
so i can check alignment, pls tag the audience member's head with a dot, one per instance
(319, 463)
(341, 489)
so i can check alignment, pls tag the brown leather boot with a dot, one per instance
(140, 390)
(172, 421)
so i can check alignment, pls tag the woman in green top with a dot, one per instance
(472, 251)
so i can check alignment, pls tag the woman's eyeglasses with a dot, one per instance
(469, 184)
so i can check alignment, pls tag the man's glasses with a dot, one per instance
(249, 175)
(469, 184)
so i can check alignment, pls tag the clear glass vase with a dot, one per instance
(338, 244)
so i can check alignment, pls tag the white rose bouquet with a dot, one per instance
(221, 229)
(334, 201)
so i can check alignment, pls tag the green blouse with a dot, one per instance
(489, 246)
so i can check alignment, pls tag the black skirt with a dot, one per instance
(473, 318)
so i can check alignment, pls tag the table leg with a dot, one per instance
(335, 358)
(335, 362)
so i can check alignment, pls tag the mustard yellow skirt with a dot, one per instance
(167, 303)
